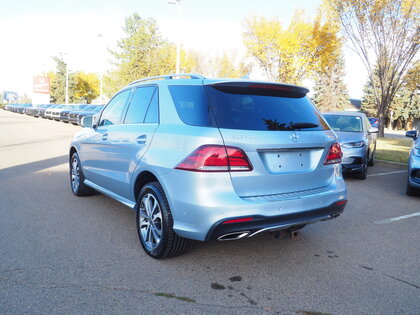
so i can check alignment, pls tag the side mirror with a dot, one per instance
(373, 130)
(411, 134)
(87, 122)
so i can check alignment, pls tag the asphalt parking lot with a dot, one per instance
(61, 254)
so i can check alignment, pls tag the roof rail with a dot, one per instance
(170, 77)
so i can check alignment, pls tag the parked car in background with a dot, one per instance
(56, 112)
(20, 108)
(48, 112)
(42, 110)
(64, 114)
(413, 180)
(374, 122)
(210, 160)
(35, 110)
(76, 116)
(357, 138)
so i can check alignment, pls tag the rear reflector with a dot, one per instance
(238, 220)
(334, 154)
(342, 202)
(216, 158)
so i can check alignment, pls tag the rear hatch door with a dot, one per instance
(284, 136)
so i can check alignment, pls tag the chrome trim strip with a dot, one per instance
(285, 226)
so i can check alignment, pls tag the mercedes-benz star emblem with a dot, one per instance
(294, 137)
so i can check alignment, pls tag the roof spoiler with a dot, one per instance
(260, 88)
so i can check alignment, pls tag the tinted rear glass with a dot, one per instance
(345, 123)
(247, 111)
(192, 105)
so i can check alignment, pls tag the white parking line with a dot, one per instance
(398, 218)
(387, 173)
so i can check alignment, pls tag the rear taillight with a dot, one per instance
(334, 154)
(216, 158)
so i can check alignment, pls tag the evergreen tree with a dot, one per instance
(330, 91)
(58, 83)
(405, 106)
(141, 53)
(369, 105)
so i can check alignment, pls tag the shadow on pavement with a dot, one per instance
(32, 167)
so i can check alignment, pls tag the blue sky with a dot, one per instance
(33, 31)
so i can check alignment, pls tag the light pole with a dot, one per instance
(178, 40)
(67, 83)
(101, 72)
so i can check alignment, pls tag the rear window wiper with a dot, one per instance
(302, 125)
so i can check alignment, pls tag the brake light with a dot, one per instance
(334, 154)
(271, 87)
(216, 158)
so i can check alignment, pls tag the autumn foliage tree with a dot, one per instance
(86, 87)
(385, 34)
(292, 54)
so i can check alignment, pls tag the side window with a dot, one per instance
(139, 104)
(152, 115)
(112, 114)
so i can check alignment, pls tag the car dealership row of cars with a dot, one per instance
(70, 113)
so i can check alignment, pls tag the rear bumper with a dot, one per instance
(200, 202)
(261, 224)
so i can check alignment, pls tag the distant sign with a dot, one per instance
(41, 84)
(10, 96)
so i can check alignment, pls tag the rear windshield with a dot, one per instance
(211, 106)
(345, 123)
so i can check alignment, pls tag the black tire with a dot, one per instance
(169, 244)
(412, 191)
(363, 173)
(79, 189)
(371, 161)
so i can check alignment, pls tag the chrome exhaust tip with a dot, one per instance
(336, 215)
(233, 236)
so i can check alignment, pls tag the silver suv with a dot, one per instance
(210, 159)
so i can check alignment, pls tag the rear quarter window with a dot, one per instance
(192, 105)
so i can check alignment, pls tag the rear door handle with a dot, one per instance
(141, 139)
(105, 137)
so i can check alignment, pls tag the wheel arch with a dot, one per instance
(142, 179)
(71, 152)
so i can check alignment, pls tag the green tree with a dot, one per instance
(330, 90)
(142, 52)
(385, 34)
(86, 88)
(58, 83)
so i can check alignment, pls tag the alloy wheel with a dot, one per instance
(150, 221)
(75, 174)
